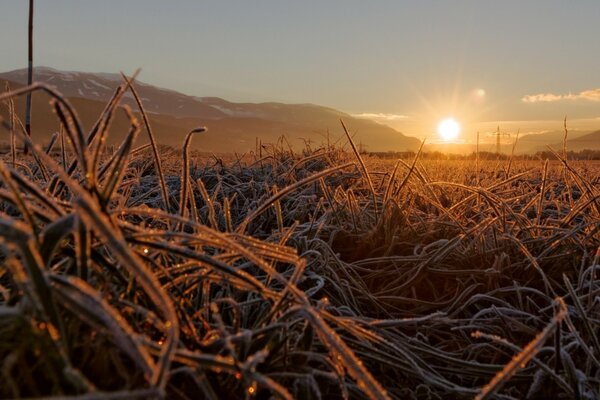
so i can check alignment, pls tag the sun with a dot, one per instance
(448, 129)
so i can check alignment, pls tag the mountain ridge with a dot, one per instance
(238, 122)
(590, 141)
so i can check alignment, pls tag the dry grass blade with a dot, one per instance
(54, 233)
(582, 313)
(542, 193)
(21, 237)
(520, 360)
(83, 250)
(92, 215)
(63, 150)
(364, 169)
(94, 218)
(215, 264)
(565, 138)
(157, 162)
(12, 186)
(86, 302)
(119, 166)
(388, 191)
(342, 353)
(71, 120)
(11, 116)
(588, 189)
(212, 215)
(477, 173)
(185, 172)
(512, 154)
(533, 262)
(269, 202)
(39, 166)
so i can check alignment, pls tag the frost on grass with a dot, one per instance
(327, 274)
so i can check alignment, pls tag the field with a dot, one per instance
(327, 274)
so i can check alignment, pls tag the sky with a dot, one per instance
(522, 64)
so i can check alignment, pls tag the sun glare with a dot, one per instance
(448, 129)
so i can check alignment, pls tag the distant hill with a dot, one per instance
(101, 86)
(531, 143)
(232, 127)
(591, 141)
(537, 142)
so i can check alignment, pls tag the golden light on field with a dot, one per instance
(448, 129)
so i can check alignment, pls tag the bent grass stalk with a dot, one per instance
(185, 173)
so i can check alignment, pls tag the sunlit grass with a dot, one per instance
(327, 274)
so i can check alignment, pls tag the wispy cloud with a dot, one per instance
(589, 95)
(542, 97)
(381, 116)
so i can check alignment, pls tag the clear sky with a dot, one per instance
(413, 62)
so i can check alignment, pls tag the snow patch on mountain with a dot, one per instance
(234, 113)
(93, 82)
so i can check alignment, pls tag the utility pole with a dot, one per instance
(498, 136)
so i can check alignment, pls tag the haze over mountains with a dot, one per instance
(526, 144)
(232, 127)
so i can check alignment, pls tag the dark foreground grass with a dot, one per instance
(319, 275)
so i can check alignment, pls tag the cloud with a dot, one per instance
(534, 133)
(381, 116)
(592, 95)
(589, 95)
(543, 97)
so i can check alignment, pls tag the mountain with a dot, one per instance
(100, 87)
(537, 142)
(232, 127)
(590, 141)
